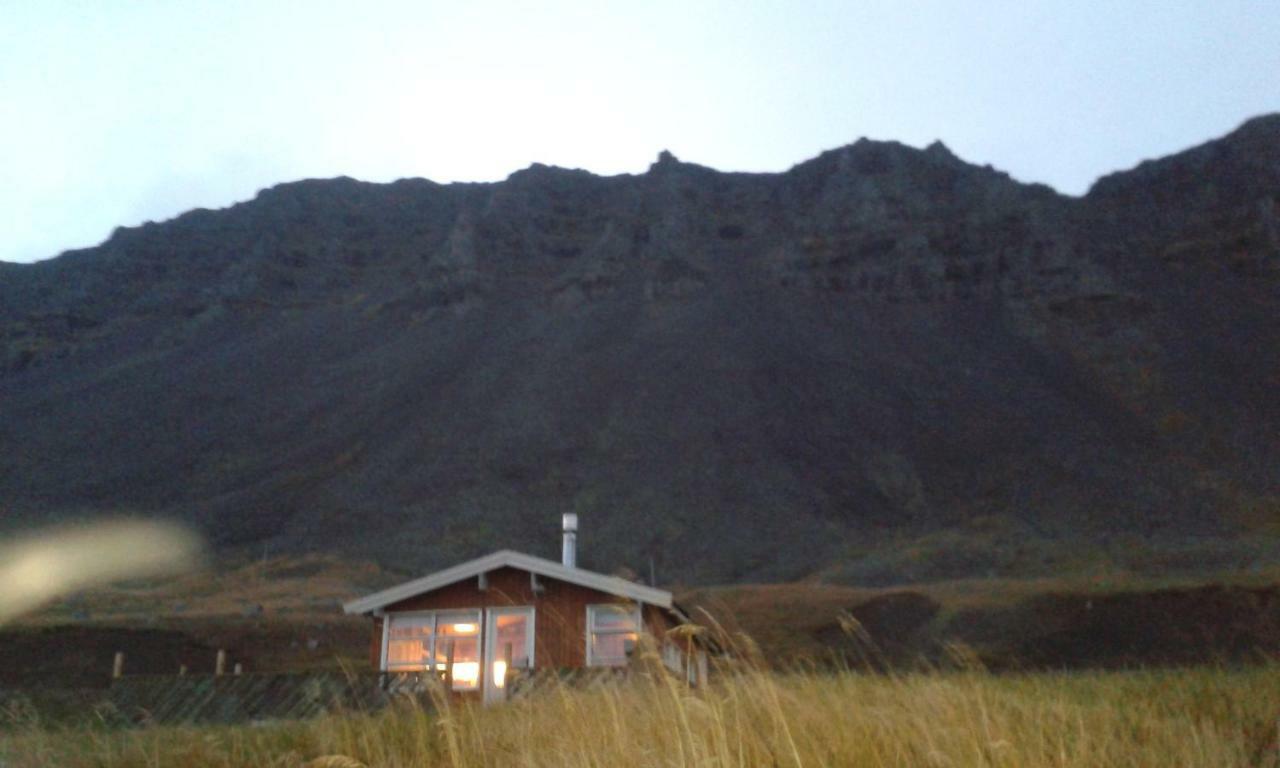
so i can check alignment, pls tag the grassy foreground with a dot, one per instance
(1202, 717)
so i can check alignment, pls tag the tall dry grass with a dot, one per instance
(1212, 717)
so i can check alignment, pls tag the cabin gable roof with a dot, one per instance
(509, 558)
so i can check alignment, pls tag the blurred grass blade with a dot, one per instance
(40, 567)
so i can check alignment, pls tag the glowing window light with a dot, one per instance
(500, 673)
(464, 628)
(466, 674)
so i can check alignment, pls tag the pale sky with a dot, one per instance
(115, 113)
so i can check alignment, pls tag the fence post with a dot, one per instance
(237, 669)
(117, 666)
(220, 666)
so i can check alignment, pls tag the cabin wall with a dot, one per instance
(560, 612)
(375, 644)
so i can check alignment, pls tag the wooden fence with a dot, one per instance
(189, 699)
(245, 698)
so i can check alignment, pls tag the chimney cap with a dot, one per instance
(570, 521)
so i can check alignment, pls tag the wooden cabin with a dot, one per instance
(489, 617)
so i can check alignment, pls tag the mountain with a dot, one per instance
(884, 364)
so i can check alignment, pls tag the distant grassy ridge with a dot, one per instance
(1211, 717)
(1037, 623)
(301, 587)
(283, 614)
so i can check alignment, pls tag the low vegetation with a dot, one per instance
(955, 714)
(1213, 717)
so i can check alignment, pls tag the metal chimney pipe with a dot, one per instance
(569, 554)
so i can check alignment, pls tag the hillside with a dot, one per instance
(882, 365)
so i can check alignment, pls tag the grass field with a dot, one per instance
(1212, 717)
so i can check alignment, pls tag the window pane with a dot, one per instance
(512, 640)
(409, 642)
(458, 624)
(461, 630)
(408, 654)
(410, 626)
(613, 617)
(672, 657)
(610, 650)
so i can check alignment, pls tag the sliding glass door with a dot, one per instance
(508, 646)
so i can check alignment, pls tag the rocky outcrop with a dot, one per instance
(737, 375)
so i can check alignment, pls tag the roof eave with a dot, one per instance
(509, 558)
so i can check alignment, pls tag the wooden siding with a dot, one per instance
(560, 623)
(375, 644)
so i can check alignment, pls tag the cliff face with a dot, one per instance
(882, 364)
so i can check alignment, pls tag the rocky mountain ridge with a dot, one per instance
(883, 364)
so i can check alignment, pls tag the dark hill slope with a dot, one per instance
(884, 363)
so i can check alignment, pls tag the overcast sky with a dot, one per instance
(115, 113)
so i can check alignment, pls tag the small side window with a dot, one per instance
(612, 634)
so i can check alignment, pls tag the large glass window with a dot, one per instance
(612, 634)
(420, 642)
